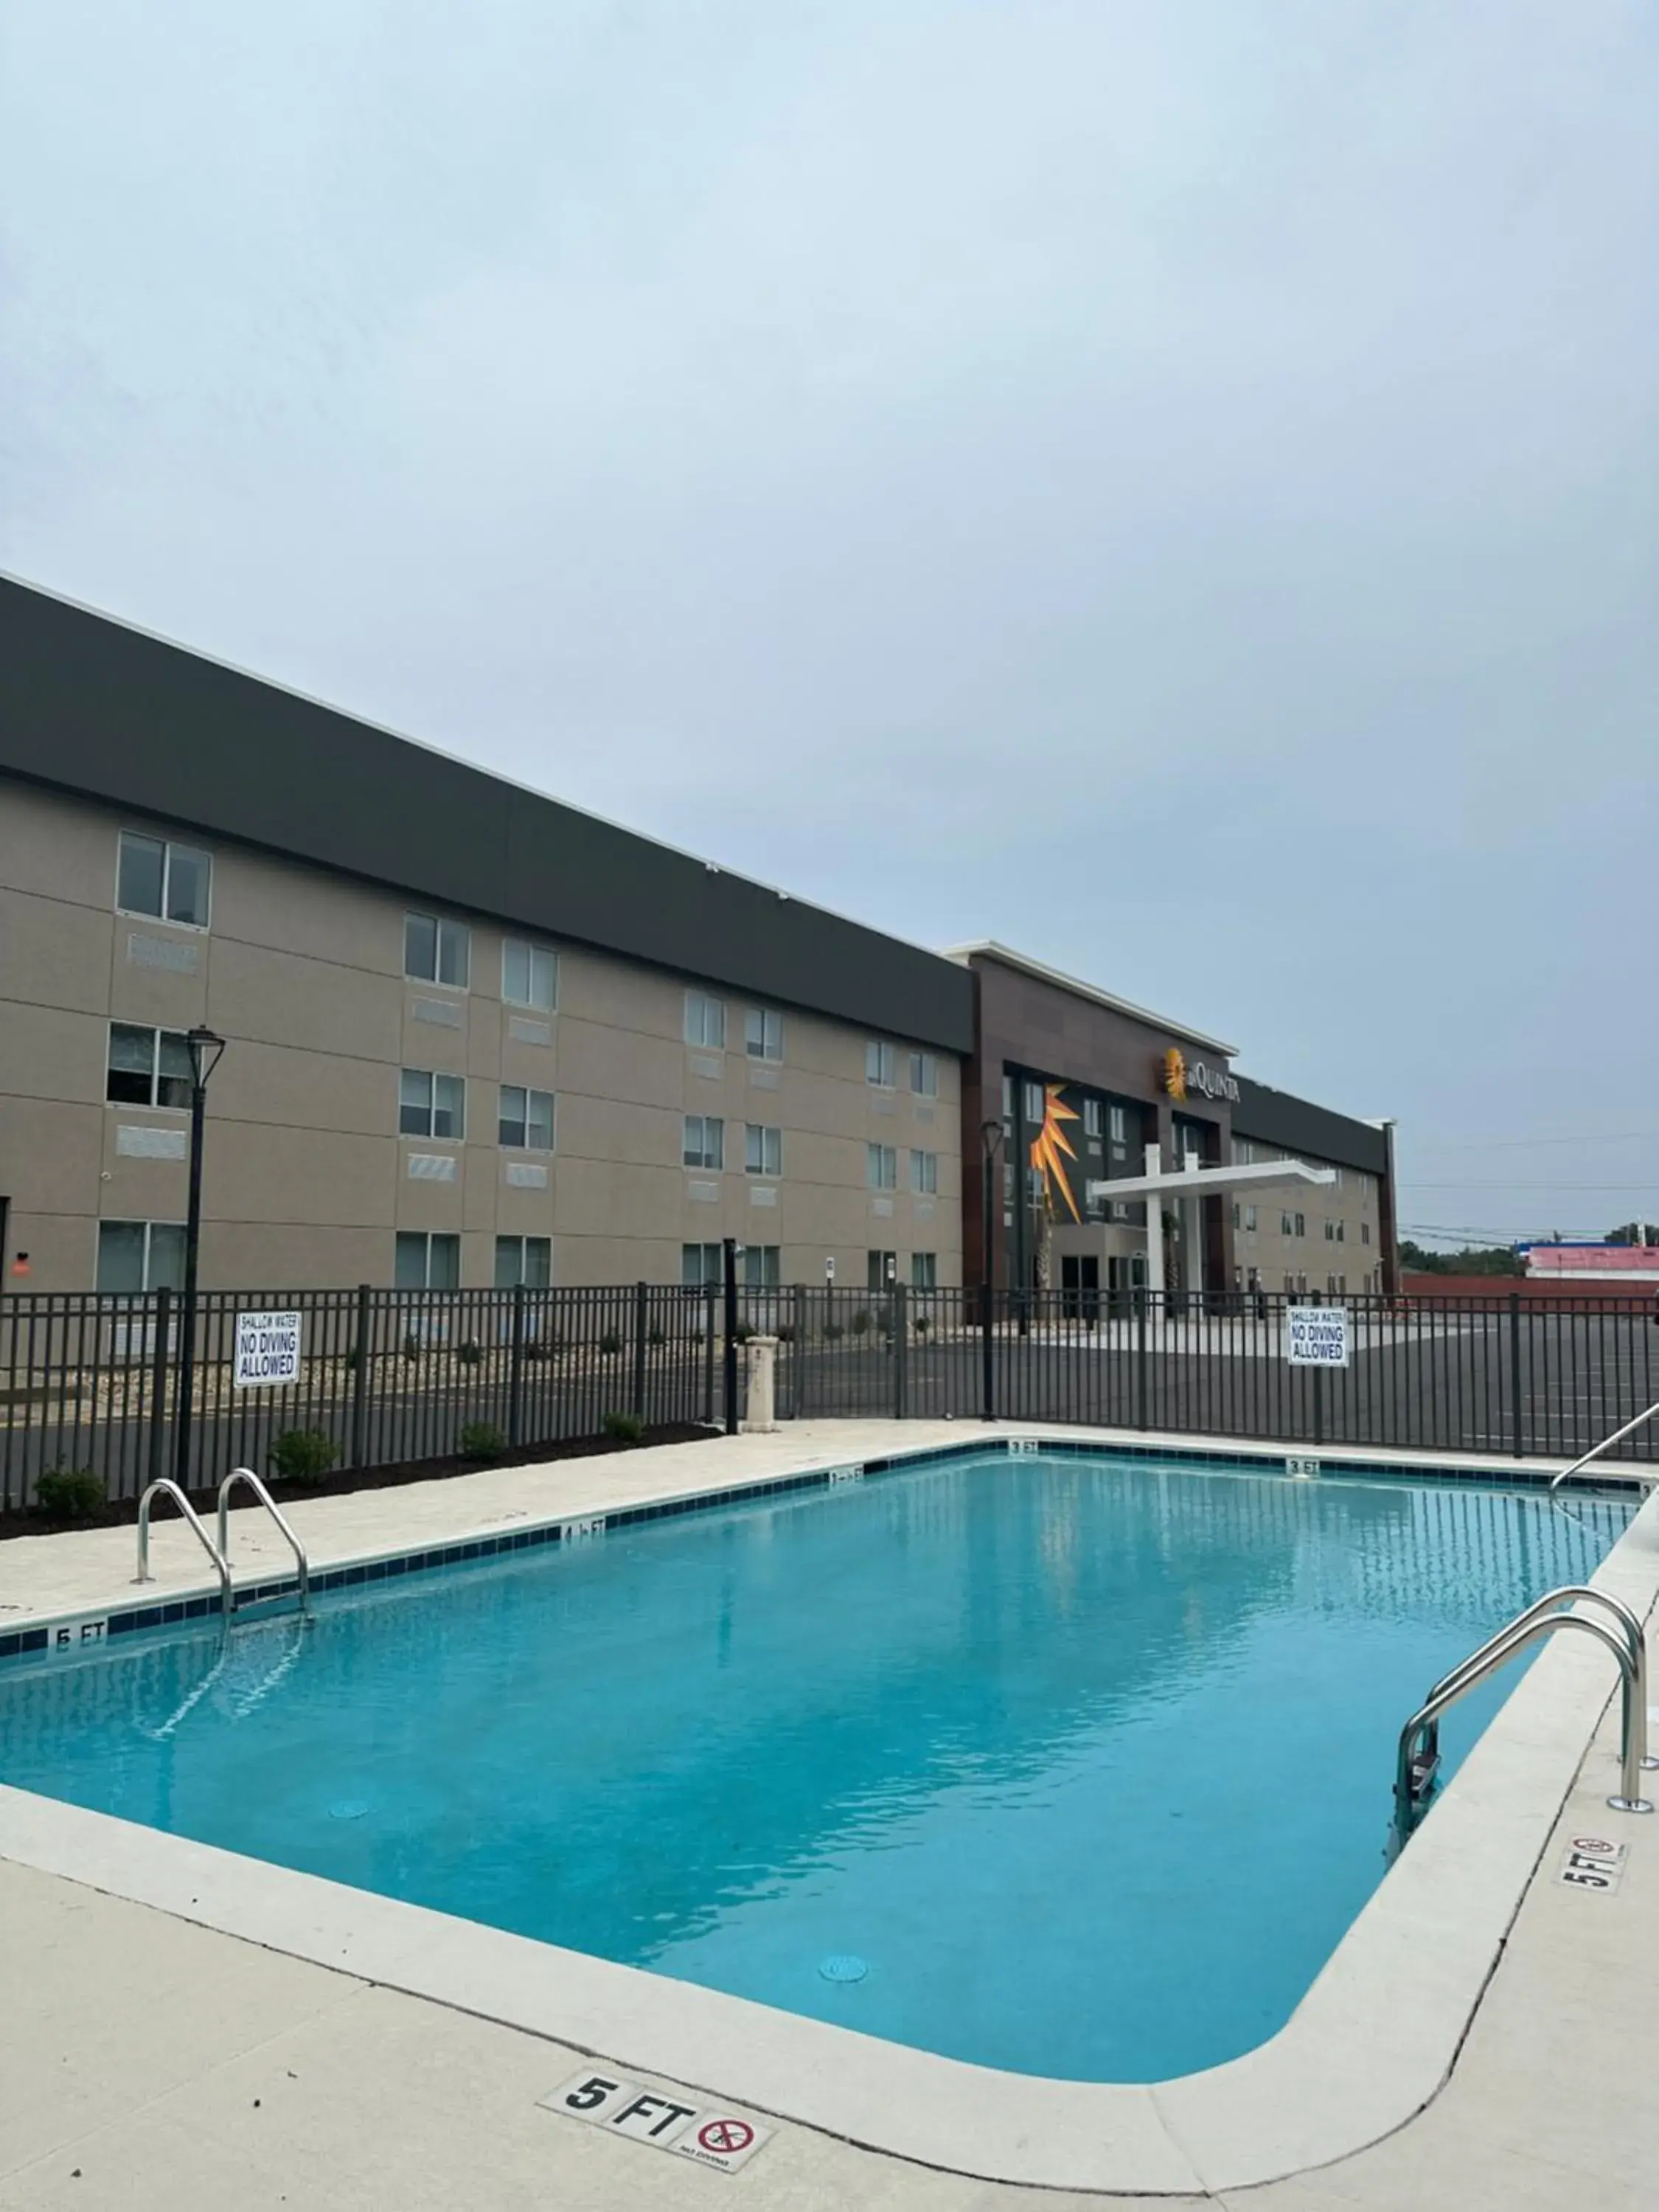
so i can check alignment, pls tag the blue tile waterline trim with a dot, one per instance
(1263, 1460)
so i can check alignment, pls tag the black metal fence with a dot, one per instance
(391, 1378)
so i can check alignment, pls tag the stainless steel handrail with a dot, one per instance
(1551, 1601)
(220, 1564)
(246, 1475)
(1596, 1450)
(1530, 1628)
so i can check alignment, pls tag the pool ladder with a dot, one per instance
(1418, 1762)
(219, 1553)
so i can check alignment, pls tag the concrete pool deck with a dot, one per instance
(137, 2034)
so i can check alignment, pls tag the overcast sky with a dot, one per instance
(1166, 484)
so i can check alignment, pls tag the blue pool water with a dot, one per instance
(1084, 1762)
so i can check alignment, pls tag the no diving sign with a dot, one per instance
(267, 1350)
(723, 2140)
(1316, 1336)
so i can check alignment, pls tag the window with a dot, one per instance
(141, 1255)
(879, 1062)
(1284, 1228)
(1243, 1152)
(1365, 1232)
(1330, 1232)
(426, 1262)
(1238, 1218)
(158, 878)
(530, 975)
(762, 1150)
(527, 1260)
(763, 1266)
(1008, 1100)
(147, 1067)
(1249, 1220)
(705, 1021)
(700, 1264)
(1337, 1172)
(1036, 1106)
(881, 1167)
(1341, 1232)
(526, 1119)
(705, 1141)
(763, 1033)
(431, 1105)
(924, 1074)
(1091, 1117)
(924, 1271)
(1119, 1122)
(437, 951)
(1302, 1230)
(880, 1270)
(924, 1173)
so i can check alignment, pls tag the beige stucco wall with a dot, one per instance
(306, 1180)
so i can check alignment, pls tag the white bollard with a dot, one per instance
(761, 1353)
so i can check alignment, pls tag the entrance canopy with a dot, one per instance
(1193, 1182)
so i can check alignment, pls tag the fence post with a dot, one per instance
(901, 1313)
(708, 1354)
(515, 1372)
(988, 1389)
(1514, 1370)
(798, 1354)
(158, 1386)
(639, 1351)
(360, 1380)
(1318, 1388)
(729, 1259)
(1140, 1296)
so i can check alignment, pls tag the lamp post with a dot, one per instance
(992, 1138)
(206, 1050)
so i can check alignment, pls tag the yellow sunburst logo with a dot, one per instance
(1051, 1148)
(1173, 1072)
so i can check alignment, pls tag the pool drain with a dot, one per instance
(349, 1808)
(843, 1966)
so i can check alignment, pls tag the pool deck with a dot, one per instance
(150, 2058)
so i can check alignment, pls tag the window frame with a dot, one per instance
(526, 1123)
(402, 1238)
(147, 1282)
(441, 923)
(877, 1282)
(768, 1019)
(431, 1133)
(924, 1074)
(519, 1281)
(168, 846)
(703, 1280)
(881, 1167)
(702, 1164)
(532, 952)
(880, 1064)
(767, 1275)
(924, 1264)
(769, 1165)
(924, 1172)
(154, 1103)
(704, 1000)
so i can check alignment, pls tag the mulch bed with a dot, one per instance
(123, 1513)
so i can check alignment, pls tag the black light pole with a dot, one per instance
(991, 1139)
(729, 1271)
(206, 1050)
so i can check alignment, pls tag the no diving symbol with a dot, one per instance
(725, 2137)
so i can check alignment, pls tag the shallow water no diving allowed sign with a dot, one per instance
(267, 1350)
(1316, 1336)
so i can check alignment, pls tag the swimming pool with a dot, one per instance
(1083, 1760)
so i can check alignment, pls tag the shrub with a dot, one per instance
(482, 1440)
(303, 1454)
(352, 1358)
(742, 1333)
(785, 1332)
(611, 1344)
(860, 1323)
(412, 1345)
(623, 1428)
(833, 1331)
(70, 1493)
(921, 1324)
(656, 1337)
(471, 1352)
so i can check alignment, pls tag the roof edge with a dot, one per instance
(1025, 965)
